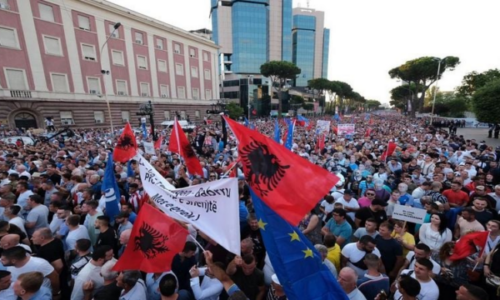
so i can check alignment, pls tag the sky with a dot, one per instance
(369, 37)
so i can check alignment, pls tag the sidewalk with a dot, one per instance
(479, 134)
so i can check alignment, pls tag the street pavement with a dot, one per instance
(479, 134)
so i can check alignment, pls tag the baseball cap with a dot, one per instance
(379, 202)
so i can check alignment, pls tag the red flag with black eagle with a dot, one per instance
(391, 147)
(287, 183)
(180, 144)
(126, 148)
(154, 241)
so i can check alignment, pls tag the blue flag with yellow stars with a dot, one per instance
(296, 262)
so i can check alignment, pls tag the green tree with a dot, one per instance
(373, 104)
(235, 110)
(485, 103)
(308, 106)
(423, 72)
(278, 72)
(449, 105)
(400, 95)
(429, 96)
(474, 81)
(344, 91)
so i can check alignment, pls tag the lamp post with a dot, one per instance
(436, 89)
(106, 72)
(147, 109)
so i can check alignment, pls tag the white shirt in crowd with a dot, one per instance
(34, 264)
(19, 222)
(89, 272)
(436, 268)
(209, 289)
(138, 292)
(353, 203)
(432, 238)
(79, 233)
(428, 290)
(354, 255)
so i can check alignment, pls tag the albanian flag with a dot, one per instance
(466, 245)
(159, 142)
(126, 148)
(180, 144)
(278, 176)
(391, 147)
(153, 243)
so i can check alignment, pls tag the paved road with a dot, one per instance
(479, 134)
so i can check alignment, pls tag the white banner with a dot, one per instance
(211, 207)
(346, 129)
(409, 214)
(149, 147)
(323, 127)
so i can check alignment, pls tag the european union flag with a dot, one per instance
(289, 138)
(302, 119)
(110, 189)
(277, 132)
(296, 262)
(246, 122)
(144, 130)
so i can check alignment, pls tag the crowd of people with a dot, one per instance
(56, 242)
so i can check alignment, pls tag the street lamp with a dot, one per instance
(146, 109)
(106, 72)
(436, 89)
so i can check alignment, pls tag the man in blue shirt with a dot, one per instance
(338, 226)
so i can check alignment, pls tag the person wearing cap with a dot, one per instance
(107, 235)
(338, 191)
(276, 291)
(349, 204)
(123, 222)
(376, 210)
(6, 286)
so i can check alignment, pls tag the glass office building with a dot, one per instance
(304, 28)
(326, 49)
(286, 46)
(250, 21)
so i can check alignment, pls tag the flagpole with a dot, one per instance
(482, 251)
(177, 136)
(228, 171)
(197, 243)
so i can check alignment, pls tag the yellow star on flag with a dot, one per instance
(308, 253)
(262, 225)
(295, 236)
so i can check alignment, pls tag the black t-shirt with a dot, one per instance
(55, 178)
(52, 251)
(389, 249)
(181, 270)
(249, 284)
(259, 250)
(108, 292)
(107, 237)
(365, 212)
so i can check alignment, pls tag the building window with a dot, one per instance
(159, 44)
(207, 74)
(52, 45)
(66, 118)
(99, 117)
(192, 52)
(183, 115)
(197, 114)
(196, 93)
(144, 89)
(194, 72)
(208, 94)
(162, 66)
(139, 38)
(205, 56)
(125, 116)
(94, 85)
(112, 32)
(167, 115)
(179, 69)
(118, 58)
(84, 23)
(88, 52)
(164, 92)
(59, 83)
(177, 48)
(8, 38)
(121, 87)
(4, 4)
(181, 92)
(142, 62)
(46, 12)
(16, 79)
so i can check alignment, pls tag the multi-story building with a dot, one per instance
(310, 44)
(67, 58)
(253, 32)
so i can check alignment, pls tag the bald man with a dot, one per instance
(347, 279)
(12, 240)
(124, 237)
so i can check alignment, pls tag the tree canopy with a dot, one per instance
(235, 111)
(279, 72)
(485, 102)
(423, 72)
(474, 81)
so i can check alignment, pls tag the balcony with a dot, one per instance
(20, 94)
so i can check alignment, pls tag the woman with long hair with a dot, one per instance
(311, 227)
(435, 233)
(453, 272)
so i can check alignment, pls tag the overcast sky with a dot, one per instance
(369, 37)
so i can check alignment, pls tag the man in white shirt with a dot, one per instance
(209, 288)
(76, 232)
(133, 286)
(353, 254)
(347, 280)
(496, 195)
(428, 288)
(12, 215)
(349, 203)
(6, 286)
(24, 194)
(420, 251)
(91, 272)
(19, 262)
(38, 215)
